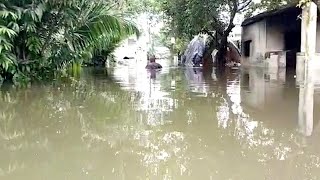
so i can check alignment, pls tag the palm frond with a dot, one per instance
(100, 29)
(5, 31)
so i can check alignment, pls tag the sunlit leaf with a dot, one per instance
(6, 31)
(6, 14)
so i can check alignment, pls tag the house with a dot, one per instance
(273, 38)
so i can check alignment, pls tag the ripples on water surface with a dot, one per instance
(172, 124)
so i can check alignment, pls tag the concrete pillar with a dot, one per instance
(306, 67)
(309, 29)
(305, 112)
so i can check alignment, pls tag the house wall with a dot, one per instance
(268, 47)
(278, 26)
(268, 35)
(257, 34)
(275, 35)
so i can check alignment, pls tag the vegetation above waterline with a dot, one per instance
(41, 37)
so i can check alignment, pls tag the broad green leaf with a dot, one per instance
(7, 32)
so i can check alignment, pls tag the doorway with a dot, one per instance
(292, 40)
(246, 48)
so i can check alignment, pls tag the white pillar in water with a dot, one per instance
(308, 40)
(306, 66)
(309, 29)
(305, 113)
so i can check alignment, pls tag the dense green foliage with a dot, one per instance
(40, 37)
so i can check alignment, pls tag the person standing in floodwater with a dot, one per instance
(152, 63)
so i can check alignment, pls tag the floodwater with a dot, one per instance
(177, 123)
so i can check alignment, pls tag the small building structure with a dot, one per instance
(288, 36)
(273, 38)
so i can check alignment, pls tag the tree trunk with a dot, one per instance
(222, 48)
(207, 61)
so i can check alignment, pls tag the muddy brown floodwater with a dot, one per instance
(177, 123)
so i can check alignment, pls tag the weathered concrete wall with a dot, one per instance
(269, 46)
(275, 29)
(265, 37)
(278, 26)
(276, 60)
(257, 34)
(275, 36)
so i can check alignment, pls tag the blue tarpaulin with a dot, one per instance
(194, 52)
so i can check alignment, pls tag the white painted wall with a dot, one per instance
(267, 36)
(257, 34)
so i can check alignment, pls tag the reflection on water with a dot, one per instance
(131, 123)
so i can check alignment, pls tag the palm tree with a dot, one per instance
(41, 36)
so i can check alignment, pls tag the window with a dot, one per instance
(246, 82)
(246, 48)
